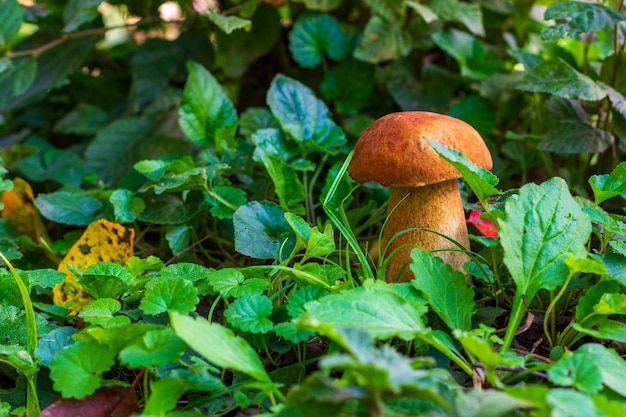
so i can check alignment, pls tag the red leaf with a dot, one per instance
(486, 227)
(108, 401)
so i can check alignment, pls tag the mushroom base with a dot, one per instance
(431, 208)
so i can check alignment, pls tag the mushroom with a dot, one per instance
(424, 194)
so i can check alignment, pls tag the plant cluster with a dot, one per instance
(181, 236)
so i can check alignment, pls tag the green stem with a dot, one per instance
(550, 336)
(300, 274)
(32, 402)
(517, 312)
(441, 347)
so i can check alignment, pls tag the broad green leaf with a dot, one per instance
(236, 197)
(18, 358)
(575, 137)
(152, 169)
(219, 345)
(287, 185)
(289, 331)
(101, 312)
(164, 396)
(229, 24)
(186, 270)
(262, 232)
(11, 16)
(115, 148)
(382, 41)
(423, 10)
(67, 207)
(61, 166)
(105, 280)
(169, 294)
(485, 352)
(392, 11)
(468, 14)
(379, 308)
(586, 303)
(603, 328)
(157, 347)
(13, 325)
(178, 237)
(576, 18)
(230, 282)
(475, 60)
(152, 65)
(85, 119)
(205, 109)
(570, 403)
(312, 36)
(489, 403)
(617, 99)
(321, 244)
(609, 185)
(256, 118)
(301, 115)
(273, 143)
(77, 12)
(611, 303)
(301, 296)
(543, 226)
(77, 369)
(445, 290)
(172, 208)
(9, 291)
(17, 76)
(126, 205)
(250, 314)
(349, 84)
(577, 371)
(44, 278)
(611, 365)
(480, 180)
(52, 342)
(558, 78)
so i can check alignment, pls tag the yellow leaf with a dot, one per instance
(19, 211)
(101, 241)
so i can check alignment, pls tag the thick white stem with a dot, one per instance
(436, 207)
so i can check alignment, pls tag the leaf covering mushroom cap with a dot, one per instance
(393, 150)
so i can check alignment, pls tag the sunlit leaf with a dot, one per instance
(576, 18)
(157, 347)
(609, 185)
(250, 313)
(169, 294)
(11, 16)
(312, 36)
(577, 371)
(558, 78)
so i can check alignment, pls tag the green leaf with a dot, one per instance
(67, 207)
(250, 313)
(570, 403)
(189, 271)
(475, 60)
(232, 283)
(390, 10)
(312, 36)
(379, 308)
(349, 85)
(157, 347)
(152, 169)
(52, 342)
(603, 328)
(219, 345)
(11, 16)
(609, 185)
(164, 396)
(115, 148)
(16, 76)
(445, 290)
(9, 291)
(480, 180)
(575, 137)
(301, 296)
(576, 18)
(18, 358)
(77, 369)
(470, 15)
(611, 365)
(262, 232)
(169, 294)
(489, 403)
(205, 109)
(126, 206)
(78, 12)
(558, 78)
(85, 119)
(61, 166)
(301, 115)
(45, 278)
(13, 325)
(172, 208)
(101, 312)
(106, 280)
(273, 143)
(235, 196)
(321, 244)
(321, 5)
(256, 118)
(542, 227)
(177, 237)
(382, 41)
(578, 371)
(586, 303)
(289, 331)
(287, 185)
(485, 352)
(229, 24)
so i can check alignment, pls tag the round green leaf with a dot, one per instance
(250, 313)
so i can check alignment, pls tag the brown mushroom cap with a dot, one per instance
(393, 150)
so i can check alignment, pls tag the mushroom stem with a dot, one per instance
(430, 208)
